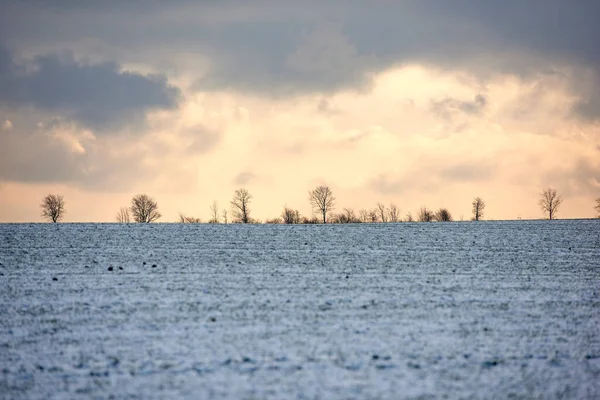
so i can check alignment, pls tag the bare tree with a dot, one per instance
(123, 216)
(549, 202)
(363, 215)
(409, 217)
(425, 215)
(348, 216)
(382, 212)
(374, 215)
(214, 213)
(322, 201)
(240, 206)
(290, 216)
(185, 219)
(273, 221)
(478, 207)
(53, 207)
(224, 214)
(597, 207)
(443, 215)
(144, 209)
(309, 220)
(393, 213)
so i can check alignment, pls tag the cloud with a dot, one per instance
(428, 176)
(284, 48)
(244, 178)
(59, 152)
(99, 96)
(446, 107)
(7, 125)
(202, 139)
(467, 172)
(581, 177)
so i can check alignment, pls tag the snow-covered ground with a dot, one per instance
(462, 310)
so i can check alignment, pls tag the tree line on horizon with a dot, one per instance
(144, 209)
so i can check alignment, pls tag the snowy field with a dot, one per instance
(390, 311)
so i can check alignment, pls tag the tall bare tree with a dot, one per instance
(144, 209)
(393, 213)
(443, 215)
(123, 216)
(240, 205)
(425, 215)
(53, 207)
(478, 207)
(549, 202)
(382, 212)
(214, 213)
(322, 201)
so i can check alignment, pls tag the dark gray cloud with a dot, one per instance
(288, 47)
(99, 96)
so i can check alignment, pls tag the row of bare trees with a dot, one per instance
(144, 209)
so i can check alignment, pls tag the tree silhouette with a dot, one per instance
(322, 201)
(373, 215)
(382, 212)
(214, 213)
(185, 219)
(425, 215)
(290, 216)
(393, 213)
(240, 205)
(443, 215)
(53, 207)
(348, 216)
(478, 207)
(224, 214)
(363, 215)
(144, 209)
(597, 207)
(409, 217)
(549, 202)
(123, 216)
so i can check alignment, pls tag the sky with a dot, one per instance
(413, 102)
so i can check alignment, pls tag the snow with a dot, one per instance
(463, 310)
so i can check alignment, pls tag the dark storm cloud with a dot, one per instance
(288, 47)
(99, 96)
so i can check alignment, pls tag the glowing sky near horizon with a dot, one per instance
(419, 103)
